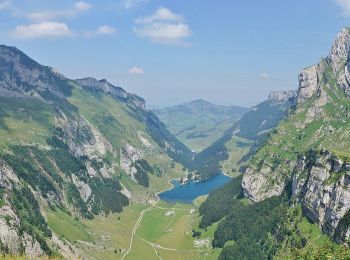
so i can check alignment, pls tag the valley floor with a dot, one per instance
(157, 231)
(147, 229)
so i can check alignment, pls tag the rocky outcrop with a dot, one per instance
(114, 91)
(253, 179)
(83, 188)
(266, 180)
(282, 96)
(309, 78)
(338, 59)
(103, 86)
(339, 53)
(321, 185)
(10, 238)
(308, 83)
(83, 139)
(128, 155)
(7, 177)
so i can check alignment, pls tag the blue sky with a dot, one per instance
(227, 52)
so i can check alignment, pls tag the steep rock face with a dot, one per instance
(321, 185)
(260, 179)
(308, 83)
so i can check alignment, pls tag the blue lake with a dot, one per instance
(190, 191)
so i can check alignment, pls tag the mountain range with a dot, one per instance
(199, 123)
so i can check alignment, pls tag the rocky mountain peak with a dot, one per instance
(338, 56)
(308, 83)
(115, 91)
(282, 95)
(337, 60)
(22, 76)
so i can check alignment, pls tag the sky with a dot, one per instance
(229, 52)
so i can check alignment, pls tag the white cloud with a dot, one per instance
(106, 30)
(264, 75)
(163, 26)
(161, 15)
(41, 30)
(82, 6)
(136, 70)
(164, 33)
(48, 15)
(345, 5)
(127, 4)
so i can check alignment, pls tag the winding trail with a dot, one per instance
(171, 249)
(137, 224)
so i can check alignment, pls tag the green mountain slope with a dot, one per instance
(245, 135)
(199, 123)
(76, 147)
(255, 124)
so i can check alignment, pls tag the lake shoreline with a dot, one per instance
(187, 193)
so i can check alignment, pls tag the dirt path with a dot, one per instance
(137, 224)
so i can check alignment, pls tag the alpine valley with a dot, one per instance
(82, 162)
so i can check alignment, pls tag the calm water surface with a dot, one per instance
(190, 191)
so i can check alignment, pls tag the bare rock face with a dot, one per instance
(83, 138)
(282, 95)
(309, 78)
(7, 176)
(128, 155)
(257, 185)
(266, 181)
(83, 188)
(322, 187)
(308, 83)
(340, 51)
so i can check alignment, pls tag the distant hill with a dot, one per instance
(249, 131)
(199, 123)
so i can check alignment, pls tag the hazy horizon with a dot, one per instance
(173, 52)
